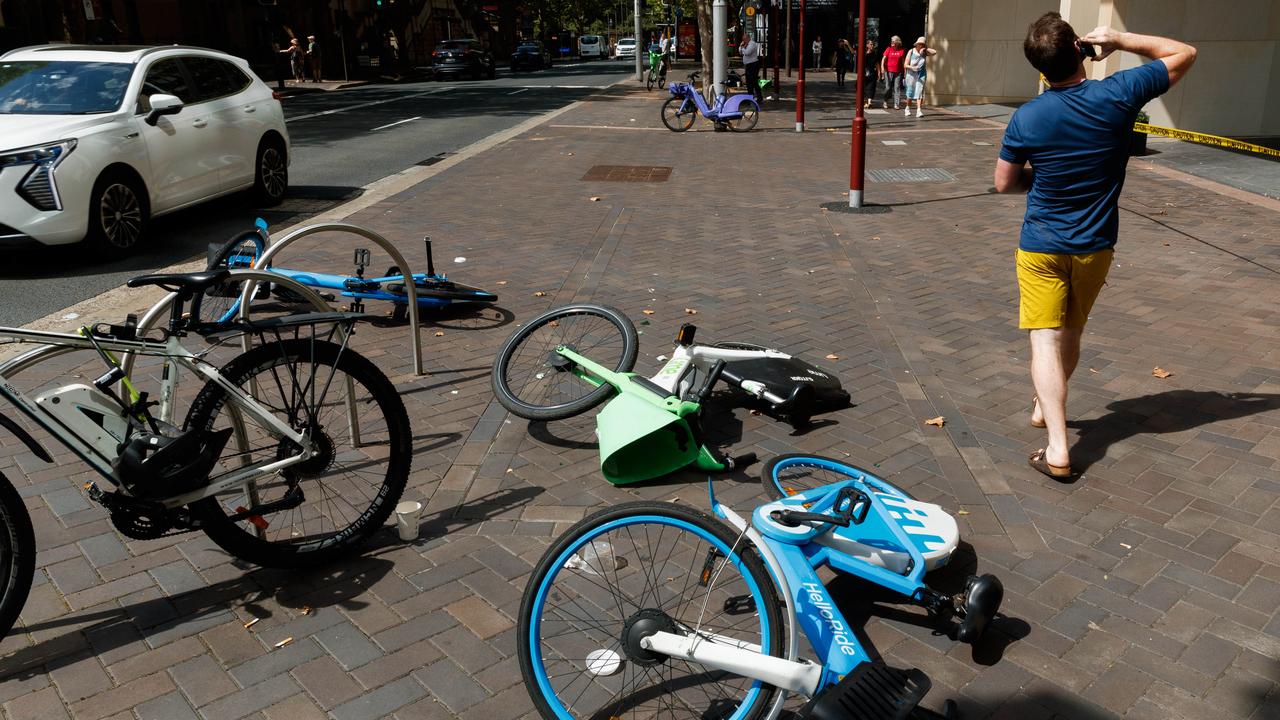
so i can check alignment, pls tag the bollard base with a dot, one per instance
(842, 206)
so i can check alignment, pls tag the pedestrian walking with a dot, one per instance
(296, 59)
(817, 53)
(1075, 137)
(891, 71)
(871, 72)
(914, 74)
(844, 60)
(313, 57)
(749, 49)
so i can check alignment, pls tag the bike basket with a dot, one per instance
(640, 441)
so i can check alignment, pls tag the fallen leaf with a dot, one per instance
(690, 311)
(832, 356)
(307, 610)
(1095, 372)
(251, 623)
(1126, 546)
(1093, 625)
(568, 153)
(439, 333)
(647, 311)
(284, 642)
(1161, 372)
(595, 198)
(962, 512)
(938, 421)
(502, 282)
(875, 237)
(539, 294)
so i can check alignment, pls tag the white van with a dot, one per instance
(590, 46)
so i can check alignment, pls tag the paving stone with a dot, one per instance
(275, 662)
(1209, 654)
(123, 697)
(39, 705)
(477, 616)
(172, 706)
(451, 685)
(298, 707)
(326, 681)
(381, 702)
(350, 647)
(202, 680)
(252, 699)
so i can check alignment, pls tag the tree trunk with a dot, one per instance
(708, 42)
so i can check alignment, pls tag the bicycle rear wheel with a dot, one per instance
(528, 379)
(220, 302)
(790, 474)
(675, 115)
(624, 573)
(330, 503)
(17, 555)
(750, 116)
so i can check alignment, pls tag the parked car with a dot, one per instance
(591, 46)
(103, 138)
(531, 55)
(457, 57)
(626, 48)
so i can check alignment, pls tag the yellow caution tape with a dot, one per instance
(1204, 139)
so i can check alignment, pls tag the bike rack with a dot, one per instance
(274, 247)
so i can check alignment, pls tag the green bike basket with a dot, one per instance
(641, 441)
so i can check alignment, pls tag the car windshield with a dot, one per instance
(454, 45)
(62, 87)
(591, 39)
(527, 46)
(626, 41)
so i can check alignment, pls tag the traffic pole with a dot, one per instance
(773, 44)
(858, 148)
(800, 78)
(719, 54)
(640, 43)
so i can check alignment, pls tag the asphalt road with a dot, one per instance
(341, 141)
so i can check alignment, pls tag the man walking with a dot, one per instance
(749, 49)
(1075, 137)
(817, 53)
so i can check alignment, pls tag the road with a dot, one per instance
(341, 141)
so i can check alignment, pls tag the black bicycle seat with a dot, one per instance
(194, 283)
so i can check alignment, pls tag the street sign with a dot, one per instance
(750, 11)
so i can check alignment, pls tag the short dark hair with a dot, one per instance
(1050, 47)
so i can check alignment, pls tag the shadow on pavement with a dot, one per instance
(1167, 412)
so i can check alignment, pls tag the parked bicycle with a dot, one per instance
(292, 453)
(662, 610)
(740, 112)
(434, 290)
(657, 74)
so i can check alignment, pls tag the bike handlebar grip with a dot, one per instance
(712, 376)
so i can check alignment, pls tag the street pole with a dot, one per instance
(639, 43)
(719, 55)
(800, 79)
(786, 50)
(858, 148)
(773, 44)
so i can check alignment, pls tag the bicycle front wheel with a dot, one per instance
(219, 303)
(529, 378)
(17, 555)
(625, 573)
(328, 504)
(675, 115)
(791, 474)
(648, 81)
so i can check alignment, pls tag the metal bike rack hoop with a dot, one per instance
(276, 245)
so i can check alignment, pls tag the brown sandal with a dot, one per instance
(1035, 400)
(1038, 463)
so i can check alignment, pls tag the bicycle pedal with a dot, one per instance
(873, 691)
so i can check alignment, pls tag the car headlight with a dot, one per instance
(39, 187)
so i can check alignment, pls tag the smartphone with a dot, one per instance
(1087, 50)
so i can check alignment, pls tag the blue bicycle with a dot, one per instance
(740, 112)
(655, 609)
(434, 291)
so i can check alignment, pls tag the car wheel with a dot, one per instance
(271, 172)
(117, 215)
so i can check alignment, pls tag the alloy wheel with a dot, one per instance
(120, 214)
(274, 173)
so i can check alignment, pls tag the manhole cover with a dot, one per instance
(904, 175)
(628, 173)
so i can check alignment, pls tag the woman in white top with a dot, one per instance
(914, 74)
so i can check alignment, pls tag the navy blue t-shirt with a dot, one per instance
(1077, 141)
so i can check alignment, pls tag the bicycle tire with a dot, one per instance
(301, 549)
(733, 345)
(779, 483)
(537, 369)
(443, 290)
(17, 555)
(750, 110)
(762, 618)
(220, 302)
(671, 118)
(648, 81)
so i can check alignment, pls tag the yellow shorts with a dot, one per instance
(1058, 290)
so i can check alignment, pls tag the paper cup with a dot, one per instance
(407, 514)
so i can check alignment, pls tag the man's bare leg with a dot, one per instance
(1069, 351)
(1054, 354)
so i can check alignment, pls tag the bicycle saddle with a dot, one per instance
(194, 283)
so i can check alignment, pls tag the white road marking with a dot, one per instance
(398, 122)
(607, 127)
(365, 105)
(893, 142)
(517, 92)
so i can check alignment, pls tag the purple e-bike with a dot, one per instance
(739, 112)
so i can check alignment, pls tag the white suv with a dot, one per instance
(96, 140)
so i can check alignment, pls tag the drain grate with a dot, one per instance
(628, 173)
(903, 175)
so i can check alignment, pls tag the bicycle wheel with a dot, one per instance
(622, 574)
(674, 115)
(750, 116)
(17, 555)
(330, 503)
(220, 302)
(790, 474)
(528, 380)
(648, 80)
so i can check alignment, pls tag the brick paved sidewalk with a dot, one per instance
(1146, 589)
